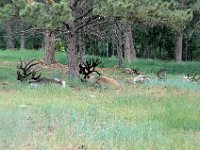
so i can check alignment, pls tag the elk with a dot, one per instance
(27, 72)
(191, 78)
(141, 79)
(161, 74)
(86, 69)
(89, 67)
(131, 71)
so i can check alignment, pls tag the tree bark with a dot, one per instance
(22, 37)
(113, 44)
(10, 37)
(110, 49)
(82, 48)
(49, 47)
(107, 49)
(120, 43)
(179, 38)
(189, 49)
(145, 49)
(179, 46)
(130, 53)
(188, 43)
(72, 55)
(22, 40)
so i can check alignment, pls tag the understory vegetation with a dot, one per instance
(156, 115)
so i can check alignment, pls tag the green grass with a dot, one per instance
(156, 115)
(148, 66)
(171, 67)
(14, 56)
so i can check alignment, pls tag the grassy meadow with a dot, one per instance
(161, 115)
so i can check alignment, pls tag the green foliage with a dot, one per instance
(148, 12)
(96, 47)
(60, 46)
(193, 25)
(48, 15)
(11, 9)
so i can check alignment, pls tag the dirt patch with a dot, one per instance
(7, 92)
(5, 83)
(52, 66)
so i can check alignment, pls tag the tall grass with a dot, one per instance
(156, 115)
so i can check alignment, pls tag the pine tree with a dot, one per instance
(9, 12)
(192, 26)
(130, 53)
(147, 12)
(47, 16)
(67, 16)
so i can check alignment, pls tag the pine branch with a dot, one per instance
(83, 15)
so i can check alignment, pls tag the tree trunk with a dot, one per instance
(189, 49)
(186, 50)
(120, 43)
(82, 48)
(72, 55)
(179, 46)
(160, 51)
(145, 49)
(10, 39)
(130, 53)
(179, 38)
(50, 47)
(110, 49)
(22, 37)
(22, 40)
(107, 49)
(113, 44)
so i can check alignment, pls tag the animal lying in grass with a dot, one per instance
(88, 68)
(131, 71)
(43, 81)
(141, 78)
(27, 72)
(191, 78)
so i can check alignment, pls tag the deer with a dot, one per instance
(87, 68)
(132, 71)
(191, 78)
(28, 72)
(161, 75)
